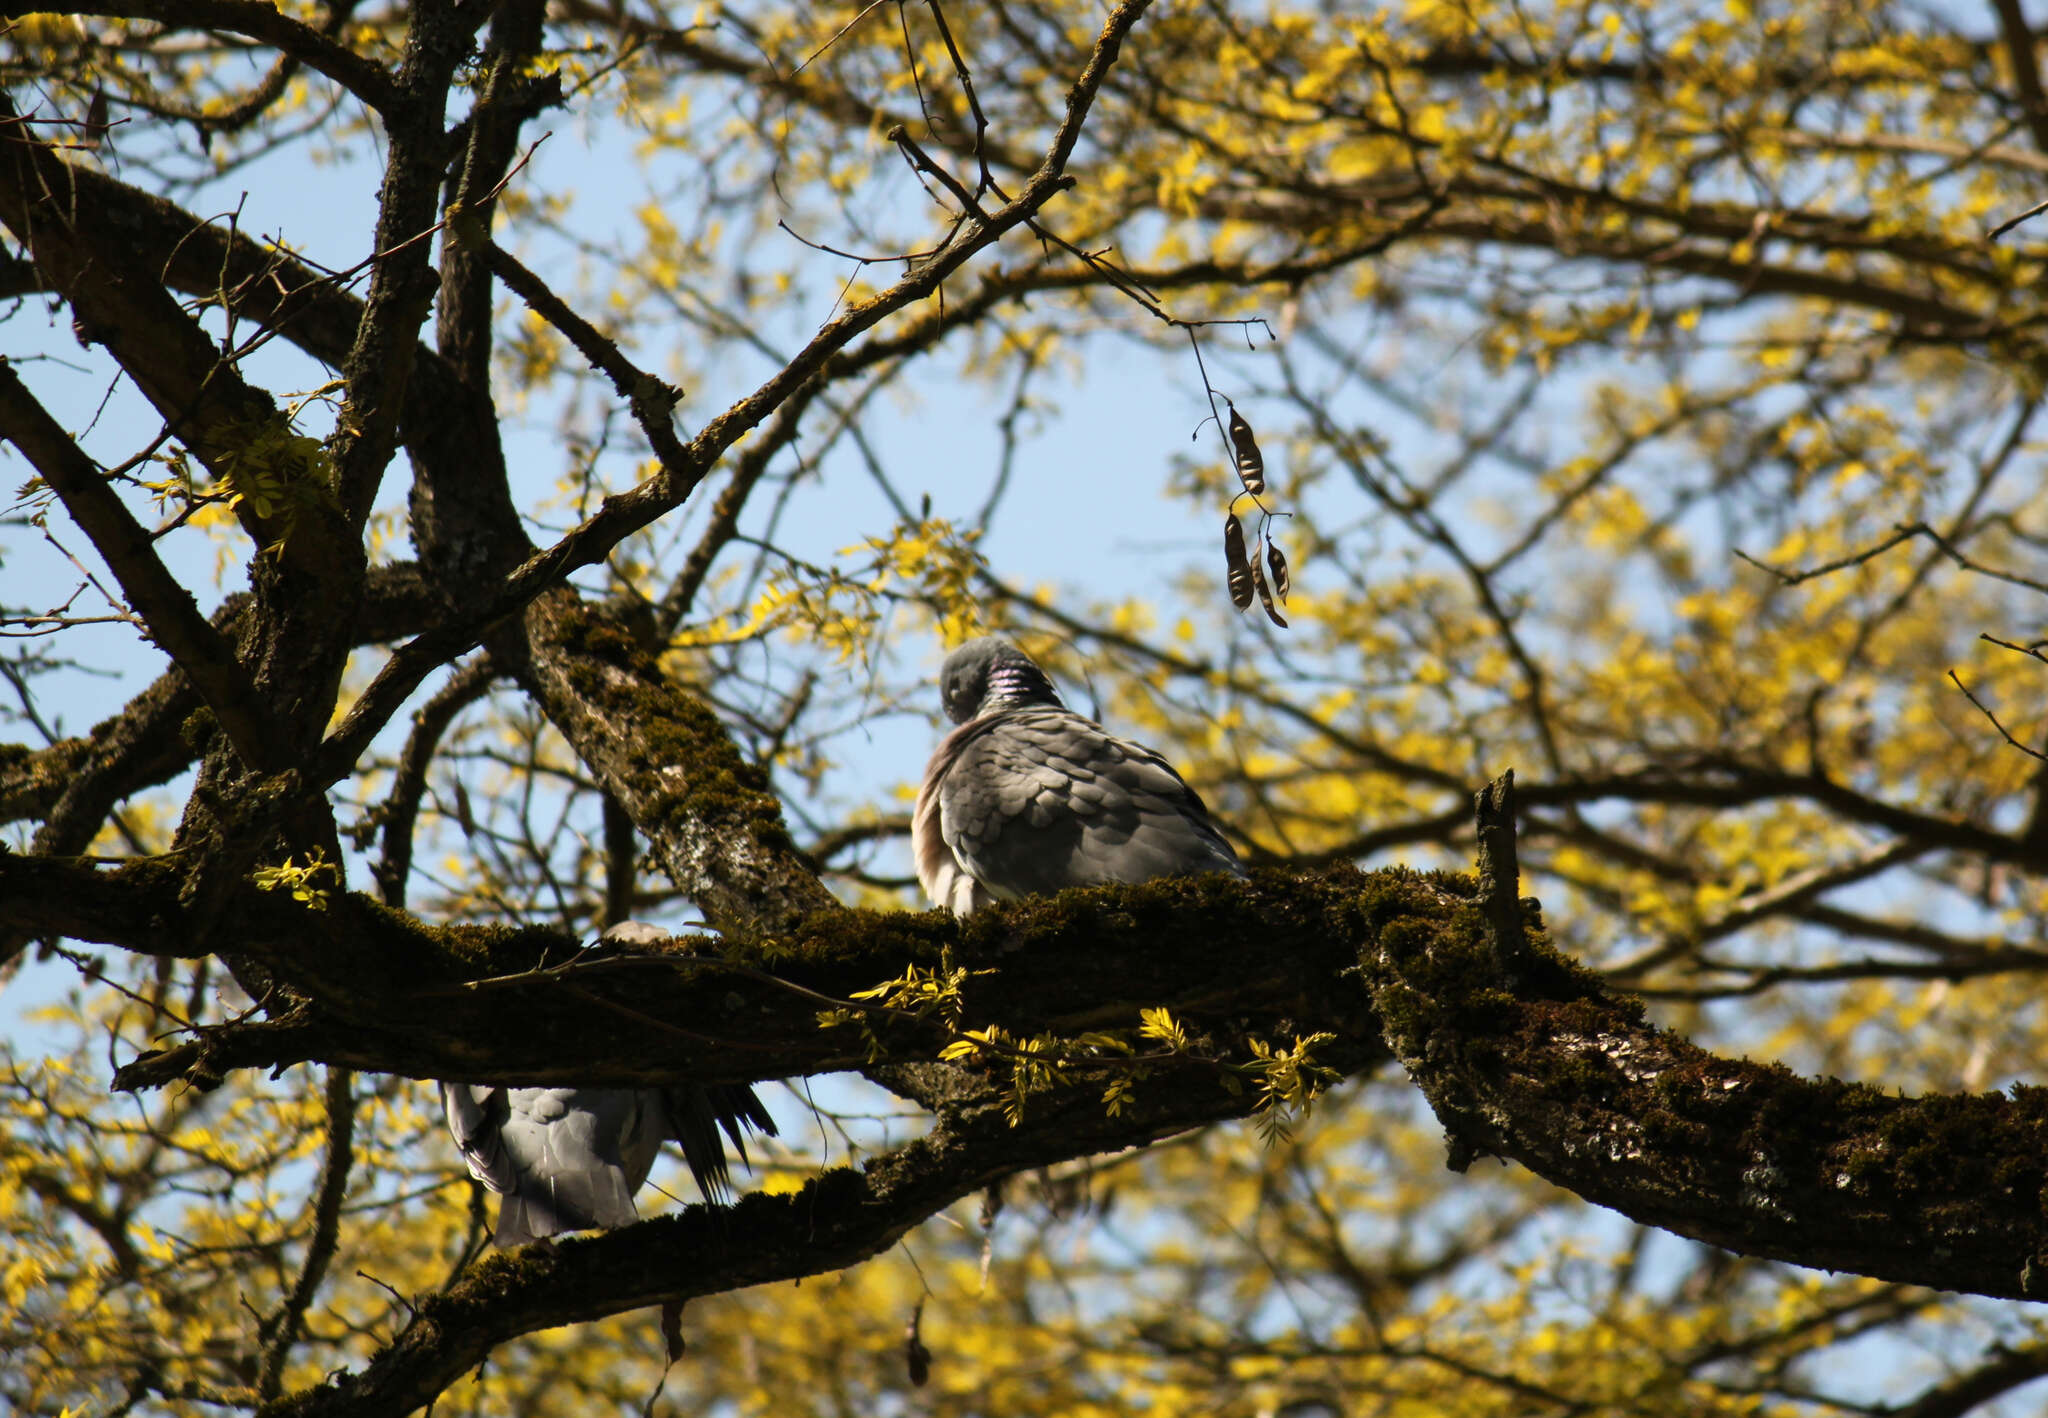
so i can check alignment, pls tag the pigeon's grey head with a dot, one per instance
(990, 674)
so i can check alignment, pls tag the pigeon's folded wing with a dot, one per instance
(1032, 800)
(564, 1159)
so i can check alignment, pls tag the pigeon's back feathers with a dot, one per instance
(1027, 797)
(562, 1159)
(569, 1159)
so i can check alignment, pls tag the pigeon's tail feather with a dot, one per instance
(739, 1108)
(696, 1116)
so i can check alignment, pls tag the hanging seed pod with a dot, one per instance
(1236, 564)
(1278, 564)
(917, 1358)
(1251, 464)
(672, 1329)
(1266, 596)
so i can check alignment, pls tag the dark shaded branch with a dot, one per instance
(1940, 1191)
(620, 863)
(1500, 874)
(1755, 980)
(133, 906)
(2003, 1372)
(401, 807)
(164, 604)
(534, 1006)
(842, 1217)
(1725, 781)
(272, 26)
(2018, 40)
(491, 141)
(403, 282)
(1572, 1083)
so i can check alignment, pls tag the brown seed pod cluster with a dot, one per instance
(1251, 464)
(1236, 565)
(917, 1358)
(1245, 574)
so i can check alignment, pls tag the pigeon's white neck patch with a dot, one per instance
(1014, 682)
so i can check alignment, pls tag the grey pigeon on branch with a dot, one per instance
(568, 1159)
(1026, 796)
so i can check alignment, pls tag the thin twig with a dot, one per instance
(2007, 225)
(1981, 709)
(867, 10)
(333, 1187)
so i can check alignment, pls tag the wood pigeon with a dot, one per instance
(569, 1159)
(1026, 796)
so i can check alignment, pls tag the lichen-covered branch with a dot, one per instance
(532, 1006)
(715, 824)
(1534, 1060)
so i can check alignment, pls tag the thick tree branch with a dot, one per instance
(2026, 70)
(1940, 1191)
(262, 21)
(164, 604)
(402, 278)
(1571, 1082)
(712, 817)
(516, 1007)
(508, 99)
(133, 906)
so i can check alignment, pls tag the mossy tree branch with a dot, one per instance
(492, 1004)
(1554, 1072)
(1527, 1056)
(712, 817)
